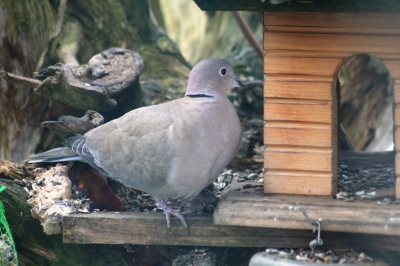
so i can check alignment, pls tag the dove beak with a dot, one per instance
(240, 83)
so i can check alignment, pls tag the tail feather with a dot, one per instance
(54, 155)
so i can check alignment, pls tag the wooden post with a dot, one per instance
(300, 111)
(396, 117)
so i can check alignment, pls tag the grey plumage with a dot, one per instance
(53, 156)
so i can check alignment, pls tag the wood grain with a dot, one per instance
(303, 159)
(396, 136)
(397, 164)
(327, 54)
(397, 120)
(396, 92)
(251, 208)
(297, 6)
(397, 188)
(300, 66)
(336, 30)
(359, 159)
(308, 90)
(396, 96)
(298, 78)
(325, 42)
(335, 21)
(393, 67)
(295, 183)
(150, 229)
(298, 111)
(297, 135)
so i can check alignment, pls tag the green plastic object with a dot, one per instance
(8, 254)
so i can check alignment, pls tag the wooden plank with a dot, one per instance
(331, 43)
(397, 188)
(300, 66)
(298, 135)
(359, 159)
(328, 54)
(247, 207)
(397, 164)
(393, 67)
(344, 21)
(299, 6)
(295, 183)
(338, 30)
(397, 137)
(280, 63)
(396, 92)
(300, 159)
(150, 229)
(397, 121)
(298, 78)
(298, 89)
(298, 111)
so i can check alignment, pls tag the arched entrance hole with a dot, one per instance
(366, 104)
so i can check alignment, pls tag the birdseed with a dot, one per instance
(363, 184)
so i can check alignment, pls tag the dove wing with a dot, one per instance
(132, 149)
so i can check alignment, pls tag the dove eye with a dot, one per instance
(222, 71)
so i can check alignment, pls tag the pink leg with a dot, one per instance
(169, 211)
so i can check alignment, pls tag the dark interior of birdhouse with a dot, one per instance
(365, 114)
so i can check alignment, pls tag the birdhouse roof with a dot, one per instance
(301, 5)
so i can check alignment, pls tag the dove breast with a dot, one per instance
(171, 150)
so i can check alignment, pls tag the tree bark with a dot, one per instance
(34, 41)
(33, 246)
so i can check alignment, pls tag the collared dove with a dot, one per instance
(170, 150)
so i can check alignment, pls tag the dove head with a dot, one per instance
(213, 77)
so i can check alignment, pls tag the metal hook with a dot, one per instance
(316, 242)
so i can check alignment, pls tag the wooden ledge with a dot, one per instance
(151, 229)
(247, 207)
(247, 218)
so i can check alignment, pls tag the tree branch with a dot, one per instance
(29, 82)
(248, 33)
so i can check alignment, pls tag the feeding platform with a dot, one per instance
(151, 229)
(248, 207)
(303, 53)
(246, 217)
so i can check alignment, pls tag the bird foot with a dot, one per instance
(169, 211)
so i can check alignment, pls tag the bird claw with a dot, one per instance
(169, 211)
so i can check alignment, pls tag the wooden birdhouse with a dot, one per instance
(305, 45)
(304, 51)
